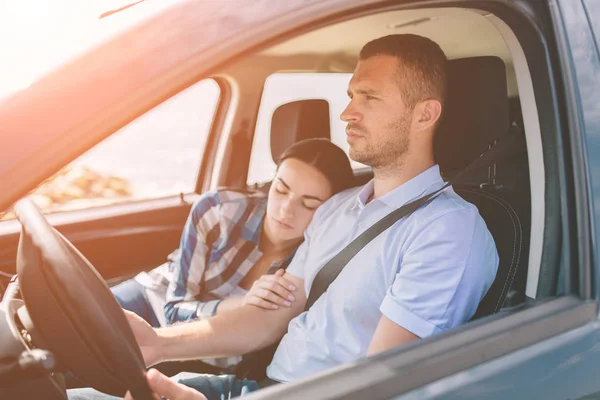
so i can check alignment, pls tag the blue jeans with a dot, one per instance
(214, 387)
(132, 296)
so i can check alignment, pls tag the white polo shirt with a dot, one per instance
(427, 273)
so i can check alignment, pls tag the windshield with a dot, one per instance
(39, 36)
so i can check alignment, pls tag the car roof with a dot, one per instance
(69, 110)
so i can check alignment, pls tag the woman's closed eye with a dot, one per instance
(311, 205)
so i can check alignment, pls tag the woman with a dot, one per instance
(235, 245)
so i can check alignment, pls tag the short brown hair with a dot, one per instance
(418, 56)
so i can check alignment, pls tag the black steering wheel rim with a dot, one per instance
(74, 312)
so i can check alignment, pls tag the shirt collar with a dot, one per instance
(364, 194)
(404, 193)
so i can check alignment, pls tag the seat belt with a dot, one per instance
(510, 145)
(254, 365)
(332, 269)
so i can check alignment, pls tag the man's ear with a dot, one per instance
(426, 114)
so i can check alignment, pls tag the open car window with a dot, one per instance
(156, 155)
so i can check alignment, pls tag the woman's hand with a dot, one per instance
(271, 292)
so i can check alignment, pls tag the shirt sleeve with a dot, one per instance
(296, 266)
(446, 269)
(187, 270)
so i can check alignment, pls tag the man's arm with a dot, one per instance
(389, 335)
(445, 272)
(236, 332)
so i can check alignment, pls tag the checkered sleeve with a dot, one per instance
(188, 269)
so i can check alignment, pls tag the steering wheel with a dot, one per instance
(73, 312)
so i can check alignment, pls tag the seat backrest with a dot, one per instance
(476, 116)
(504, 223)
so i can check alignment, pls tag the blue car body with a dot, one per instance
(546, 349)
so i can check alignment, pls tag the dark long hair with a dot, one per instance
(326, 157)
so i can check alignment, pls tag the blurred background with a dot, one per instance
(154, 156)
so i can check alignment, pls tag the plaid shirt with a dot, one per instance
(218, 247)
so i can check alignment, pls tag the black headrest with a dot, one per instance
(476, 111)
(298, 120)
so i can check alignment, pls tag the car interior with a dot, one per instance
(483, 104)
(477, 117)
(492, 98)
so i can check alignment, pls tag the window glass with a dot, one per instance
(283, 88)
(156, 155)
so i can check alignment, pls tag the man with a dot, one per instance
(425, 274)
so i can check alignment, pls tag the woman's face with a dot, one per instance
(297, 190)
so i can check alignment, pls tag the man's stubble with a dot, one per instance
(389, 150)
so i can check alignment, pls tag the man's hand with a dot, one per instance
(146, 338)
(164, 387)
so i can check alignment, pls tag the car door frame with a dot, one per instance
(553, 321)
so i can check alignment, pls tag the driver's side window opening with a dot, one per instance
(484, 108)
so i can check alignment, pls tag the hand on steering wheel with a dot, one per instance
(146, 338)
(163, 386)
(74, 313)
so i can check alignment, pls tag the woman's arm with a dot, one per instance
(187, 270)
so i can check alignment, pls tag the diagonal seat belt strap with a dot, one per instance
(332, 269)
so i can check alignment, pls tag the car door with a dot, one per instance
(519, 350)
(123, 204)
(544, 349)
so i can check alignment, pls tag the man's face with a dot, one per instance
(378, 120)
